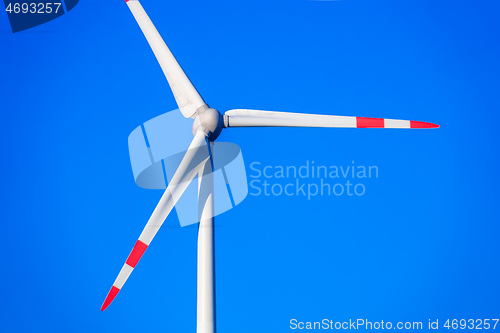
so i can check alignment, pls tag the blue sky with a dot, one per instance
(421, 243)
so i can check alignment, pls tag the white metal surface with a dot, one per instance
(187, 97)
(258, 118)
(251, 118)
(395, 123)
(205, 297)
(123, 276)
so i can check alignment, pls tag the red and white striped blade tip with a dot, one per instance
(111, 296)
(422, 124)
(132, 260)
(364, 122)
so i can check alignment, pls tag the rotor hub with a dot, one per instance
(208, 121)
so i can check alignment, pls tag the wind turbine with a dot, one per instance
(198, 161)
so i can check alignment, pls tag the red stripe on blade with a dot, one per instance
(362, 122)
(136, 253)
(111, 296)
(421, 124)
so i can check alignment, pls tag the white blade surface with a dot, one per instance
(186, 96)
(193, 161)
(256, 118)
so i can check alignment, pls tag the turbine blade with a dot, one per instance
(187, 97)
(193, 161)
(256, 118)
